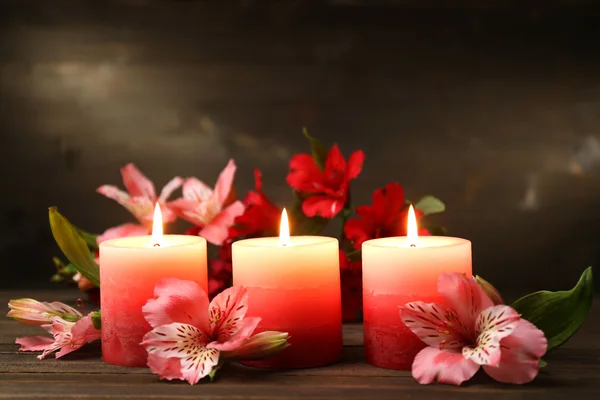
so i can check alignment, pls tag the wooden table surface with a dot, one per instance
(573, 371)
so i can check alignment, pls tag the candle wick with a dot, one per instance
(413, 245)
(156, 244)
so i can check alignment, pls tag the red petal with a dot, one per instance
(305, 175)
(387, 204)
(322, 206)
(355, 164)
(335, 166)
(358, 230)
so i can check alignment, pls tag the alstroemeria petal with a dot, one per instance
(260, 346)
(34, 343)
(463, 295)
(217, 230)
(231, 342)
(493, 324)
(166, 368)
(443, 366)
(177, 301)
(305, 176)
(432, 323)
(113, 192)
(355, 163)
(187, 343)
(169, 188)
(196, 190)
(137, 184)
(322, 206)
(226, 312)
(225, 182)
(521, 352)
(123, 230)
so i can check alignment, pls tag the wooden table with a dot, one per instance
(573, 372)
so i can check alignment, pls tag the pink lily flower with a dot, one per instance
(67, 337)
(469, 332)
(33, 312)
(212, 210)
(191, 338)
(124, 230)
(140, 197)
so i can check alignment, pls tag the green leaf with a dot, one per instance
(73, 246)
(559, 314)
(88, 238)
(430, 205)
(213, 372)
(319, 152)
(542, 363)
(97, 319)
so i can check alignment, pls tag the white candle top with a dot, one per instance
(295, 241)
(133, 242)
(422, 242)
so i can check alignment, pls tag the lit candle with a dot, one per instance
(398, 270)
(130, 267)
(294, 286)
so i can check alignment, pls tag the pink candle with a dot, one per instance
(294, 286)
(129, 269)
(398, 270)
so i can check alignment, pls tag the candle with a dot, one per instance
(294, 286)
(398, 270)
(130, 267)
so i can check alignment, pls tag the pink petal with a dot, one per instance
(431, 323)
(521, 352)
(62, 308)
(234, 341)
(217, 230)
(120, 231)
(493, 324)
(169, 188)
(113, 192)
(226, 312)
(187, 343)
(196, 190)
(177, 301)
(322, 206)
(34, 343)
(225, 182)
(166, 368)
(136, 183)
(463, 295)
(189, 210)
(443, 366)
(84, 332)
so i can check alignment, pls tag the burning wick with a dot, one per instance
(412, 245)
(156, 244)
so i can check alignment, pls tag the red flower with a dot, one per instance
(351, 281)
(261, 217)
(328, 189)
(386, 217)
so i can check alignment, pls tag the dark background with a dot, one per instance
(494, 108)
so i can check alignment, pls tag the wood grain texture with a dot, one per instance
(573, 372)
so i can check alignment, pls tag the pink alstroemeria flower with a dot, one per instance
(67, 337)
(469, 332)
(191, 338)
(208, 208)
(33, 312)
(140, 198)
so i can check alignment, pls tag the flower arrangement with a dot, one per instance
(321, 185)
(192, 336)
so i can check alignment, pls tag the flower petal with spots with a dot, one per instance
(492, 325)
(433, 323)
(188, 344)
(226, 312)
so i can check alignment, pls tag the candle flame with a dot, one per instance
(157, 227)
(412, 231)
(284, 230)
